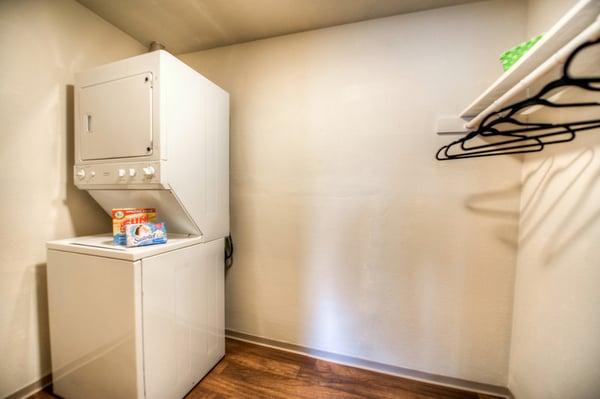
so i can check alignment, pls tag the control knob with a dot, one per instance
(132, 172)
(121, 172)
(80, 174)
(149, 171)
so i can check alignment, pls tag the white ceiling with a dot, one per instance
(190, 25)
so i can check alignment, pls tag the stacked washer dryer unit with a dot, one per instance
(144, 322)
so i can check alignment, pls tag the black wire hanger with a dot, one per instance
(508, 135)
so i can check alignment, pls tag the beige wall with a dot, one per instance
(43, 44)
(542, 14)
(555, 350)
(350, 237)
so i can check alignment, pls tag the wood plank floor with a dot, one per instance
(252, 371)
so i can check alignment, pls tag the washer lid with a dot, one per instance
(102, 245)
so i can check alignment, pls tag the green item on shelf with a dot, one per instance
(510, 57)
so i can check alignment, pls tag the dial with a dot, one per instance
(132, 172)
(80, 174)
(121, 172)
(149, 171)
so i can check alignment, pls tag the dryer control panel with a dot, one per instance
(120, 174)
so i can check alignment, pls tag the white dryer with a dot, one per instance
(144, 322)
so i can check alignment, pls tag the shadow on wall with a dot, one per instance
(561, 243)
(575, 168)
(562, 185)
(87, 217)
(497, 205)
(43, 333)
(559, 205)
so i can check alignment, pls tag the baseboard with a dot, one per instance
(32, 388)
(373, 366)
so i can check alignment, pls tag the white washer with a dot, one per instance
(145, 322)
(134, 323)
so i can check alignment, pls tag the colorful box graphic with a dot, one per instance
(145, 234)
(121, 217)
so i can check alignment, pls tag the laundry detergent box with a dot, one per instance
(145, 234)
(121, 217)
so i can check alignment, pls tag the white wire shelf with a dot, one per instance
(579, 25)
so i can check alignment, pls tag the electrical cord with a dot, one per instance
(228, 251)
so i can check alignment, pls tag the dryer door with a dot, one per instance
(116, 118)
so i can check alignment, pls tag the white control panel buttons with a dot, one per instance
(149, 171)
(132, 174)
